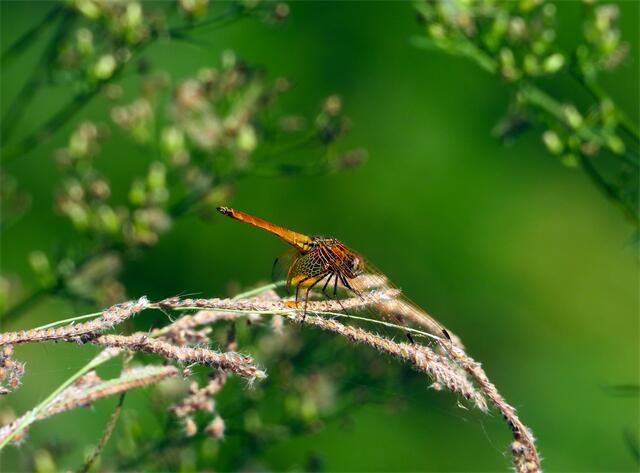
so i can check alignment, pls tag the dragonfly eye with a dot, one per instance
(354, 264)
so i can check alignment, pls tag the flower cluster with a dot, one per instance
(11, 371)
(107, 34)
(106, 37)
(200, 399)
(603, 48)
(518, 42)
(84, 191)
(203, 134)
(514, 38)
(96, 40)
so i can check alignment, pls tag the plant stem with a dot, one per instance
(105, 435)
(549, 105)
(544, 101)
(599, 94)
(38, 75)
(53, 124)
(69, 320)
(33, 414)
(8, 152)
(30, 36)
(178, 210)
(233, 13)
(609, 190)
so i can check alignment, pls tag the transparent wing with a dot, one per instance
(281, 265)
(401, 308)
(383, 302)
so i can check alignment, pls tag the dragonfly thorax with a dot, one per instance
(335, 256)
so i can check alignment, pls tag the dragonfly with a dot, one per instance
(317, 260)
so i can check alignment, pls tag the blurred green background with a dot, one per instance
(520, 256)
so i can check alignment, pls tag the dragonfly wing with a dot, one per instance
(400, 309)
(282, 264)
(306, 270)
(298, 270)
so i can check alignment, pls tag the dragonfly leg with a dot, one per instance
(306, 299)
(335, 294)
(348, 286)
(335, 277)
(326, 284)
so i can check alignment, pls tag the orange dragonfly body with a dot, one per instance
(319, 260)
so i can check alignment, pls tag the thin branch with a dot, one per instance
(30, 87)
(525, 455)
(84, 388)
(237, 363)
(106, 435)
(449, 367)
(599, 94)
(87, 332)
(10, 151)
(550, 105)
(444, 370)
(110, 317)
(607, 189)
(422, 358)
(16, 428)
(31, 35)
(259, 304)
(223, 19)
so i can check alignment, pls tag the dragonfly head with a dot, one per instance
(354, 263)
(345, 260)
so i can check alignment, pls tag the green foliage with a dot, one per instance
(518, 41)
(203, 134)
(526, 275)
